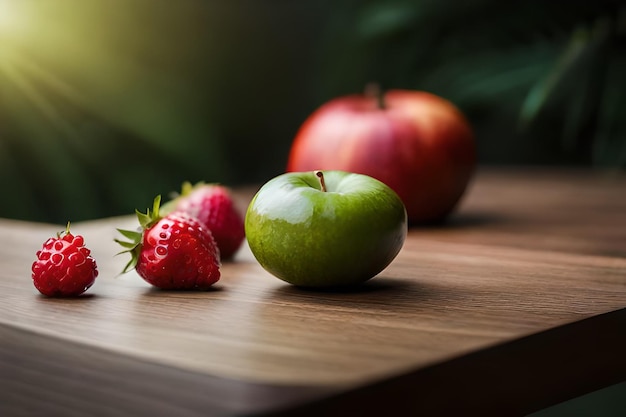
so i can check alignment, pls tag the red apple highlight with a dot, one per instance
(417, 143)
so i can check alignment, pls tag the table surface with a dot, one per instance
(515, 304)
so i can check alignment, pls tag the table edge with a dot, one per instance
(468, 383)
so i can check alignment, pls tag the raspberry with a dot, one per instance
(64, 266)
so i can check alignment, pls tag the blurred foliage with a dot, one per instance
(104, 104)
(542, 81)
(607, 402)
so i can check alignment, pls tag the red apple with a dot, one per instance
(417, 143)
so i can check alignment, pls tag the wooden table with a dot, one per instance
(516, 304)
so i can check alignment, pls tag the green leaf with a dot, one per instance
(131, 264)
(133, 245)
(129, 245)
(133, 235)
(155, 207)
(543, 90)
(147, 219)
(187, 188)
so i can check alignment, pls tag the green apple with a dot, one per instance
(325, 229)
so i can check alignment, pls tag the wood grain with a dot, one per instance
(528, 253)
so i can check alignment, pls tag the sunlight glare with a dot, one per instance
(141, 77)
(10, 17)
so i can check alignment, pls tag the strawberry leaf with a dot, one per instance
(132, 263)
(133, 244)
(187, 188)
(128, 245)
(147, 219)
(133, 235)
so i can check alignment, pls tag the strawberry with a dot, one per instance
(174, 252)
(213, 205)
(64, 266)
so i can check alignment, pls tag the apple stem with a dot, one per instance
(320, 177)
(374, 91)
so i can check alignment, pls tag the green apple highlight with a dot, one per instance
(325, 229)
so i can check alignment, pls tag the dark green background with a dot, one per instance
(104, 104)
